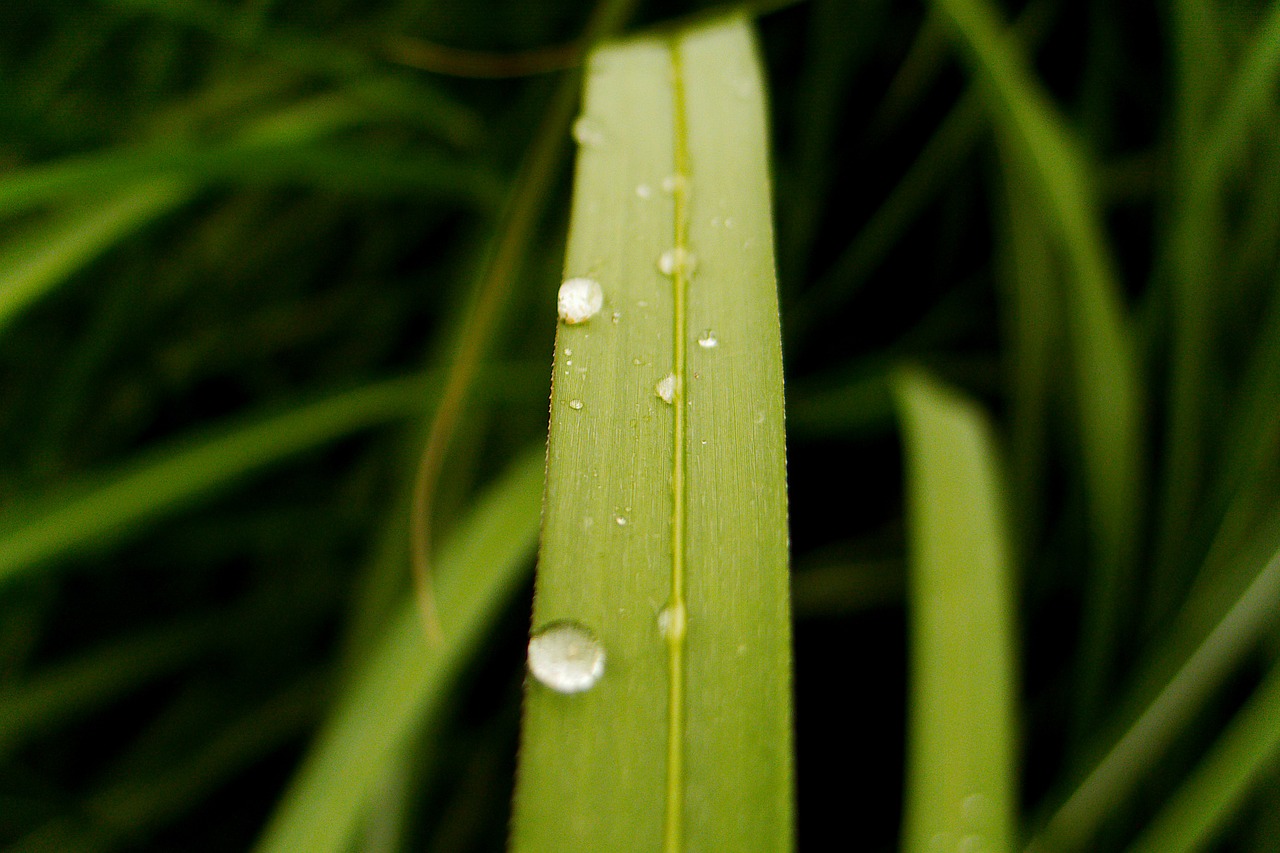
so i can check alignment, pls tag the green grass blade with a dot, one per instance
(400, 94)
(961, 777)
(665, 529)
(1233, 768)
(1104, 365)
(170, 477)
(120, 814)
(342, 168)
(404, 681)
(1223, 620)
(32, 265)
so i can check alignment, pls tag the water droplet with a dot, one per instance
(587, 132)
(708, 340)
(728, 222)
(579, 300)
(666, 388)
(566, 657)
(568, 351)
(671, 183)
(576, 405)
(759, 417)
(971, 843)
(621, 521)
(637, 360)
(675, 259)
(715, 222)
(617, 315)
(644, 191)
(672, 621)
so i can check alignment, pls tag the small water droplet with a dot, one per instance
(621, 521)
(728, 222)
(715, 222)
(672, 621)
(675, 259)
(666, 388)
(971, 843)
(587, 132)
(708, 340)
(566, 657)
(579, 300)
(617, 315)
(759, 417)
(644, 191)
(671, 183)
(568, 351)
(637, 360)
(575, 404)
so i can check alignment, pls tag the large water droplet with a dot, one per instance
(666, 388)
(579, 300)
(587, 132)
(576, 405)
(672, 621)
(566, 657)
(708, 340)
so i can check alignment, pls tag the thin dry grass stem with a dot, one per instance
(528, 200)
(458, 62)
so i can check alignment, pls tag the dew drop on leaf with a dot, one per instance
(579, 300)
(566, 657)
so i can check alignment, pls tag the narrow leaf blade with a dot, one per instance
(961, 788)
(665, 523)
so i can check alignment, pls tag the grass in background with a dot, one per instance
(250, 265)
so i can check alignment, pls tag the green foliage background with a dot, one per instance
(240, 250)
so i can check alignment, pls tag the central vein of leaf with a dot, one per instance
(673, 827)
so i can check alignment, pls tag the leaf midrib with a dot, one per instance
(673, 829)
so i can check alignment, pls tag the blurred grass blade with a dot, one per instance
(1223, 620)
(48, 254)
(403, 680)
(170, 477)
(665, 530)
(342, 168)
(403, 95)
(121, 813)
(1245, 752)
(961, 777)
(1104, 365)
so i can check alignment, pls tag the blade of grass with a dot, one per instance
(172, 476)
(332, 167)
(1217, 787)
(1105, 371)
(404, 680)
(1209, 148)
(46, 255)
(961, 777)
(119, 814)
(665, 524)
(405, 96)
(1223, 620)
